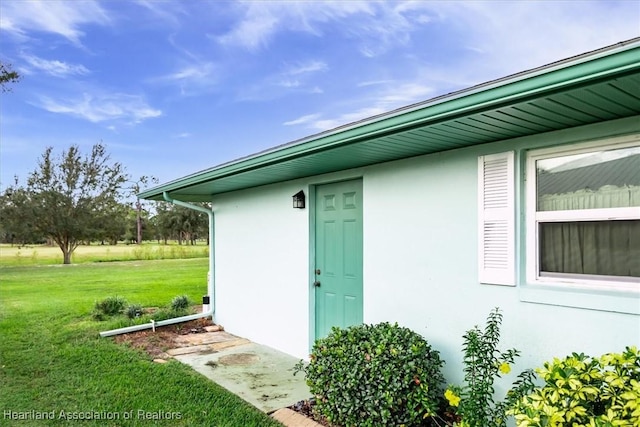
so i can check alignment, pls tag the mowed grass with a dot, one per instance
(12, 255)
(52, 358)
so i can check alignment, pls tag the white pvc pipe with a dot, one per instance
(210, 281)
(153, 324)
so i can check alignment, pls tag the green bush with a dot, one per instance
(109, 306)
(180, 304)
(374, 375)
(581, 390)
(133, 311)
(166, 313)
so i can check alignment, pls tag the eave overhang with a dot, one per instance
(597, 86)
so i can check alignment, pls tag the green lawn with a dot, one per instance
(52, 359)
(12, 255)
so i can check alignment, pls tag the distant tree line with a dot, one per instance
(171, 222)
(71, 199)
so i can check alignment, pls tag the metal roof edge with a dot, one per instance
(589, 66)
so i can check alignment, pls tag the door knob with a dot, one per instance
(316, 283)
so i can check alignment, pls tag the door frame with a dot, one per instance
(311, 203)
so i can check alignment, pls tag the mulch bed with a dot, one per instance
(305, 407)
(158, 342)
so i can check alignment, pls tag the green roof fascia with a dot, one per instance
(588, 68)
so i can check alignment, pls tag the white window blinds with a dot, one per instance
(496, 219)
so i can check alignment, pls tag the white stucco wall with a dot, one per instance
(420, 270)
(420, 262)
(262, 267)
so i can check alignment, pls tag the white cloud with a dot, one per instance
(7, 24)
(373, 83)
(376, 26)
(346, 118)
(306, 67)
(297, 75)
(289, 83)
(255, 29)
(192, 77)
(167, 11)
(193, 72)
(302, 120)
(404, 94)
(63, 18)
(508, 37)
(129, 108)
(55, 67)
(388, 98)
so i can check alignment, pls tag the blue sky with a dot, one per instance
(174, 87)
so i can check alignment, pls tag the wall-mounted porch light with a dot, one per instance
(298, 200)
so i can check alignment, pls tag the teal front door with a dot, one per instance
(338, 252)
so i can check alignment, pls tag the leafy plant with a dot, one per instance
(109, 306)
(133, 311)
(180, 304)
(581, 390)
(474, 403)
(166, 313)
(374, 375)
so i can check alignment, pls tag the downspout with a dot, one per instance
(210, 280)
(211, 277)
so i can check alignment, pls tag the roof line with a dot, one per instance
(519, 78)
(512, 78)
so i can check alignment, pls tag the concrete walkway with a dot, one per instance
(258, 374)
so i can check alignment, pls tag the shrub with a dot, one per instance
(133, 311)
(98, 315)
(109, 306)
(166, 313)
(374, 375)
(474, 403)
(180, 304)
(581, 390)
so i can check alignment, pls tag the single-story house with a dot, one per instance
(522, 193)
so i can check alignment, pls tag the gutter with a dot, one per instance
(211, 288)
(208, 309)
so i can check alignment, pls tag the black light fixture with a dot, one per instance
(298, 200)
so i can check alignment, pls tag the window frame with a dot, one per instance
(533, 218)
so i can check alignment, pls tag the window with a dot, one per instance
(583, 215)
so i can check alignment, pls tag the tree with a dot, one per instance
(70, 195)
(192, 224)
(162, 221)
(16, 217)
(181, 223)
(113, 223)
(7, 75)
(135, 187)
